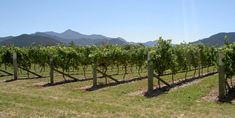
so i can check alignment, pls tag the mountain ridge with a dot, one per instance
(26, 40)
(64, 37)
(217, 39)
(72, 35)
(77, 38)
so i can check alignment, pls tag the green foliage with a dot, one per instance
(229, 57)
(163, 56)
(193, 54)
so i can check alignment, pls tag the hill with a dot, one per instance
(80, 39)
(5, 38)
(93, 39)
(26, 40)
(150, 43)
(66, 37)
(217, 39)
(73, 35)
(112, 41)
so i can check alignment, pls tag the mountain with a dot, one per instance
(122, 39)
(217, 39)
(149, 43)
(112, 41)
(5, 38)
(26, 40)
(72, 35)
(66, 41)
(97, 42)
(80, 39)
(66, 37)
(84, 42)
(77, 38)
(118, 41)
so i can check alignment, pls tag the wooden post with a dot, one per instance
(221, 76)
(51, 72)
(15, 65)
(150, 74)
(94, 75)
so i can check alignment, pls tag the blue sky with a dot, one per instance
(133, 20)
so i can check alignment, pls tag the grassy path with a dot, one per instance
(21, 99)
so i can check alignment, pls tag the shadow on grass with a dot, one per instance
(49, 84)
(93, 88)
(86, 79)
(24, 78)
(70, 81)
(230, 96)
(165, 89)
(5, 75)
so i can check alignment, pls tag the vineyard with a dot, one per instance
(164, 57)
(92, 68)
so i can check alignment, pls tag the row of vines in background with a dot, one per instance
(164, 56)
(229, 60)
(72, 57)
(181, 57)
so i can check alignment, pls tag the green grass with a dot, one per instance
(23, 99)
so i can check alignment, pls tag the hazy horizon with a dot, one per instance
(135, 21)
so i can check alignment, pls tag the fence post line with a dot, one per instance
(15, 65)
(51, 72)
(221, 76)
(150, 74)
(94, 75)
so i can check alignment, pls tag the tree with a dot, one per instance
(202, 56)
(50, 43)
(174, 66)
(6, 44)
(183, 57)
(161, 56)
(102, 43)
(71, 44)
(194, 55)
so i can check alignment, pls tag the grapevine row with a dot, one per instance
(163, 56)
